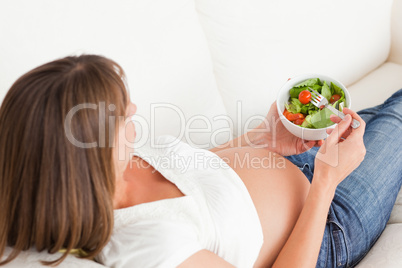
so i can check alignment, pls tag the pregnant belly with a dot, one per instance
(278, 190)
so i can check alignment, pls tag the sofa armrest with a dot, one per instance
(396, 33)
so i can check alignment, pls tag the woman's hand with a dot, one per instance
(273, 135)
(342, 151)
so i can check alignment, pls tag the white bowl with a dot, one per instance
(283, 97)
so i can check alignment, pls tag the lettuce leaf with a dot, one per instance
(304, 109)
(312, 112)
(317, 88)
(295, 91)
(339, 91)
(325, 91)
(309, 83)
(307, 122)
(321, 119)
(332, 90)
(294, 106)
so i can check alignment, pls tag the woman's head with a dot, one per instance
(58, 125)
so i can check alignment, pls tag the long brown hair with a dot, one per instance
(54, 194)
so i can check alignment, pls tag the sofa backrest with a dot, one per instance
(160, 45)
(396, 33)
(256, 45)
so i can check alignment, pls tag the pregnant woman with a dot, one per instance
(68, 181)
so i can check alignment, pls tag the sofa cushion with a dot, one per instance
(376, 86)
(396, 214)
(386, 251)
(256, 45)
(396, 32)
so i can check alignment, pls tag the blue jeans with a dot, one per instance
(364, 200)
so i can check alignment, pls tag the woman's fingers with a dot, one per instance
(339, 130)
(307, 145)
(311, 144)
(345, 135)
(356, 132)
(334, 118)
(319, 143)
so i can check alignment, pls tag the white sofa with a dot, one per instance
(205, 70)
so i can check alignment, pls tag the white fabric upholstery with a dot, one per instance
(387, 250)
(160, 45)
(256, 45)
(396, 28)
(205, 56)
(377, 86)
(396, 215)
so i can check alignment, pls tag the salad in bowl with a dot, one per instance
(300, 111)
(302, 118)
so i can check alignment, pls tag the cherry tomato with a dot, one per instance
(299, 121)
(322, 107)
(334, 98)
(286, 112)
(305, 96)
(293, 117)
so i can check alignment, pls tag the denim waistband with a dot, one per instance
(306, 169)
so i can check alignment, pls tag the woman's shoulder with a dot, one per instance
(156, 147)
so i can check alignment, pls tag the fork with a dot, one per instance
(319, 100)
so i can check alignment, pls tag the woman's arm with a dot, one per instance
(245, 140)
(272, 135)
(303, 246)
(205, 258)
(341, 153)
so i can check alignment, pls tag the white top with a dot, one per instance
(216, 213)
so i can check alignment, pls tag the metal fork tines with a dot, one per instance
(319, 100)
